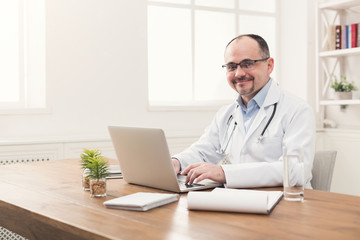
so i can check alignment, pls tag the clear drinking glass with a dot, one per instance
(294, 174)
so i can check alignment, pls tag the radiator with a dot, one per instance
(8, 235)
(29, 153)
(24, 159)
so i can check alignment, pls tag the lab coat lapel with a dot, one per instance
(238, 138)
(271, 98)
(240, 121)
(260, 116)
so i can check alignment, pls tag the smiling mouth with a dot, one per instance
(243, 79)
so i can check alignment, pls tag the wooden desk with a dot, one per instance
(45, 201)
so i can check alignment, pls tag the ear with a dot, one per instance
(270, 65)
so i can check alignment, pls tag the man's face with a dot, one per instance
(247, 82)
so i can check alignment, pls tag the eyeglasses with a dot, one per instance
(246, 64)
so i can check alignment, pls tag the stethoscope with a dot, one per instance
(267, 124)
(259, 138)
(223, 148)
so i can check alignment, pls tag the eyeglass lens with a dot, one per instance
(245, 64)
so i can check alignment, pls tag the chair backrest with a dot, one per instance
(323, 168)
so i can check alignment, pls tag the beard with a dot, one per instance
(240, 85)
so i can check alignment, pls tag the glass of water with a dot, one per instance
(294, 174)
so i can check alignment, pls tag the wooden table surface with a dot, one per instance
(45, 201)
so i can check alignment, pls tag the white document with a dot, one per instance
(234, 200)
(141, 201)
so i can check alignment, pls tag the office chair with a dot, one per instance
(323, 168)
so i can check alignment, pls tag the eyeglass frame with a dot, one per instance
(242, 62)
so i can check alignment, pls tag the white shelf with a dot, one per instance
(341, 10)
(339, 5)
(340, 102)
(341, 52)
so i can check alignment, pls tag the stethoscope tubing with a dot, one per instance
(267, 124)
(223, 150)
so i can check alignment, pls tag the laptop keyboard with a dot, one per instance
(192, 185)
(181, 180)
(183, 185)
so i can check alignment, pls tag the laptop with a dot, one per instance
(145, 160)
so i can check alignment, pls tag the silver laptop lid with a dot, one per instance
(144, 157)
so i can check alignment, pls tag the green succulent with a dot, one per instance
(87, 155)
(98, 167)
(343, 85)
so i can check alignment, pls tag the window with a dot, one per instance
(186, 43)
(22, 58)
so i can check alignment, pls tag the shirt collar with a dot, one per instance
(259, 98)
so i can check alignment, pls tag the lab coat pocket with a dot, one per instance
(268, 149)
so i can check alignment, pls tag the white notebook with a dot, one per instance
(114, 171)
(234, 200)
(141, 201)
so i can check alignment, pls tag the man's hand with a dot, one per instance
(200, 171)
(176, 164)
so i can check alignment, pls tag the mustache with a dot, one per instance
(244, 78)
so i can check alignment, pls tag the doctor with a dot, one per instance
(243, 145)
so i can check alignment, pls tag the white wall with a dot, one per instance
(293, 56)
(96, 70)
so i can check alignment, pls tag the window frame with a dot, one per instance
(215, 104)
(22, 106)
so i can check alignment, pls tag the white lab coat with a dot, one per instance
(253, 163)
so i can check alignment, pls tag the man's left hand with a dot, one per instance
(200, 171)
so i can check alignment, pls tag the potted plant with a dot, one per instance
(98, 171)
(343, 89)
(86, 156)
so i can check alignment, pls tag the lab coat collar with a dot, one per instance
(272, 97)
